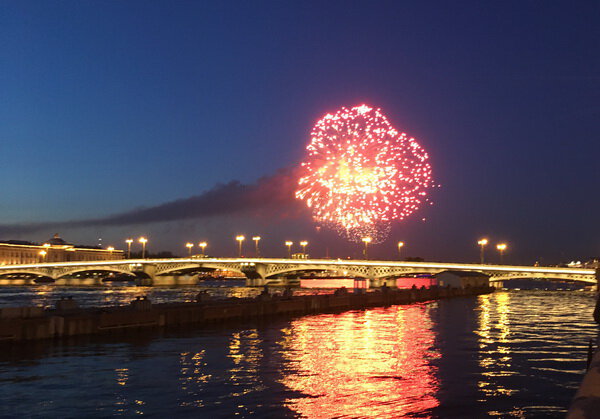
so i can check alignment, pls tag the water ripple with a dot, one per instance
(509, 354)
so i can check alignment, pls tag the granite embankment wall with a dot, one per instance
(19, 324)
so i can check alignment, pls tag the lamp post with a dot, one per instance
(366, 241)
(482, 243)
(202, 246)
(304, 243)
(501, 247)
(289, 248)
(129, 241)
(110, 250)
(240, 240)
(143, 240)
(400, 246)
(43, 255)
(256, 240)
(189, 246)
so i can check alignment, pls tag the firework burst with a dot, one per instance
(360, 174)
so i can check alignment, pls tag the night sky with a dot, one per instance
(108, 108)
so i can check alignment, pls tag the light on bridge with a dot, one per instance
(129, 241)
(366, 241)
(304, 243)
(240, 239)
(143, 241)
(289, 248)
(501, 248)
(189, 246)
(256, 240)
(482, 243)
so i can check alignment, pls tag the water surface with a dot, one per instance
(508, 354)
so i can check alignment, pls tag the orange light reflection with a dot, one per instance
(373, 363)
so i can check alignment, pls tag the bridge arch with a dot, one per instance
(286, 269)
(175, 267)
(107, 269)
(236, 267)
(385, 272)
(33, 272)
(569, 278)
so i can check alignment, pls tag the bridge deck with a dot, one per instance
(276, 266)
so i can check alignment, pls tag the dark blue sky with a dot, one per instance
(110, 106)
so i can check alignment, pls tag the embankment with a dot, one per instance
(18, 324)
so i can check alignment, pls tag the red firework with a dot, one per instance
(360, 173)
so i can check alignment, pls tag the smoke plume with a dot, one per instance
(269, 196)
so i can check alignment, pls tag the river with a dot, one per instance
(507, 354)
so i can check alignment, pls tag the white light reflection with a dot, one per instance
(193, 380)
(494, 345)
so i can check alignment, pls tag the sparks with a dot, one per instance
(360, 174)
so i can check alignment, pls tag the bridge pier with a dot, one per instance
(255, 282)
(144, 282)
(145, 275)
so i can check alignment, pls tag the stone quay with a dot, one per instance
(67, 319)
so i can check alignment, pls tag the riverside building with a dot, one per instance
(54, 250)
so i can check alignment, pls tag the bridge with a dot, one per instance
(258, 270)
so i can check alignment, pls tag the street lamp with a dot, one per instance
(202, 246)
(501, 247)
(304, 243)
(189, 246)
(129, 241)
(240, 239)
(256, 240)
(366, 241)
(400, 246)
(110, 250)
(289, 246)
(143, 240)
(482, 243)
(43, 255)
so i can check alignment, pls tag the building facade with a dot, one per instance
(14, 252)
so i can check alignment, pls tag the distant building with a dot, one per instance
(462, 279)
(54, 250)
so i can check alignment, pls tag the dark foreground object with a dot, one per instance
(586, 403)
(31, 323)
